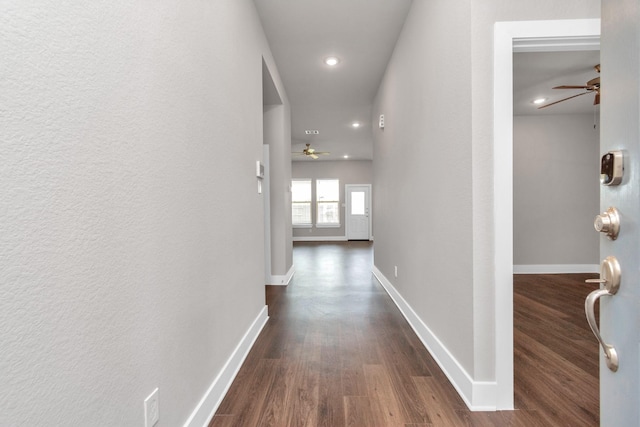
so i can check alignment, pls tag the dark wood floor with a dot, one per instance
(337, 352)
(555, 353)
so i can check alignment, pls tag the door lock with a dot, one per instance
(608, 223)
(611, 168)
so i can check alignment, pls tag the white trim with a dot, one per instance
(557, 44)
(206, 409)
(555, 268)
(327, 225)
(282, 280)
(302, 225)
(320, 239)
(477, 395)
(563, 33)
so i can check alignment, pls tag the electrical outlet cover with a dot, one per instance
(151, 409)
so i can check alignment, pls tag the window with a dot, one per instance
(357, 203)
(301, 202)
(328, 200)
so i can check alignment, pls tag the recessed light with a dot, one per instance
(355, 124)
(539, 101)
(331, 61)
(345, 156)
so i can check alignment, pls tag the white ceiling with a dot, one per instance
(301, 34)
(363, 33)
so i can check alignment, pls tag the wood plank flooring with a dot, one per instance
(337, 352)
(555, 353)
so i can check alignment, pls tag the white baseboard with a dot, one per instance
(204, 412)
(282, 280)
(320, 238)
(477, 395)
(555, 268)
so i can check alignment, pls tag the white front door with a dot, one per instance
(358, 218)
(620, 130)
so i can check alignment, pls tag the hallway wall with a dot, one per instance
(132, 251)
(434, 180)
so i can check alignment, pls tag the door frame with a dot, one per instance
(347, 205)
(510, 37)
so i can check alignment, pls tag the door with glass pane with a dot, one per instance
(358, 215)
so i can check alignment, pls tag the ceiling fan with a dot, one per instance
(310, 152)
(592, 86)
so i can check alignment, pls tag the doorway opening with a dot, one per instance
(509, 37)
(556, 190)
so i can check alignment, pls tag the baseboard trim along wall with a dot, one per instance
(320, 238)
(477, 395)
(282, 280)
(555, 268)
(208, 405)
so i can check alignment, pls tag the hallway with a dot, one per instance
(337, 352)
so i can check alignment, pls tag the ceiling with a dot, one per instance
(301, 34)
(362, 34)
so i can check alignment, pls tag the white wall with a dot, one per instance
(348, 172)
(132, 254)
(422, 171)
(556, 190)
(278, 136)
(433, 174)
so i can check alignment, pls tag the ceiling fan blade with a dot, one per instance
(572, 87)
(322, 152)
(554, 103)
(313, 156)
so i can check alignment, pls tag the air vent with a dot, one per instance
(312, 132)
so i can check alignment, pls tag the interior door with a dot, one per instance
(620, 123)
(358, 212)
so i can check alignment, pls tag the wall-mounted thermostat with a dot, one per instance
(611, 168)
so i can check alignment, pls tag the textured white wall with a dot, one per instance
(556, 189)
(422, 172)
(131, 249)
(433, 167)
